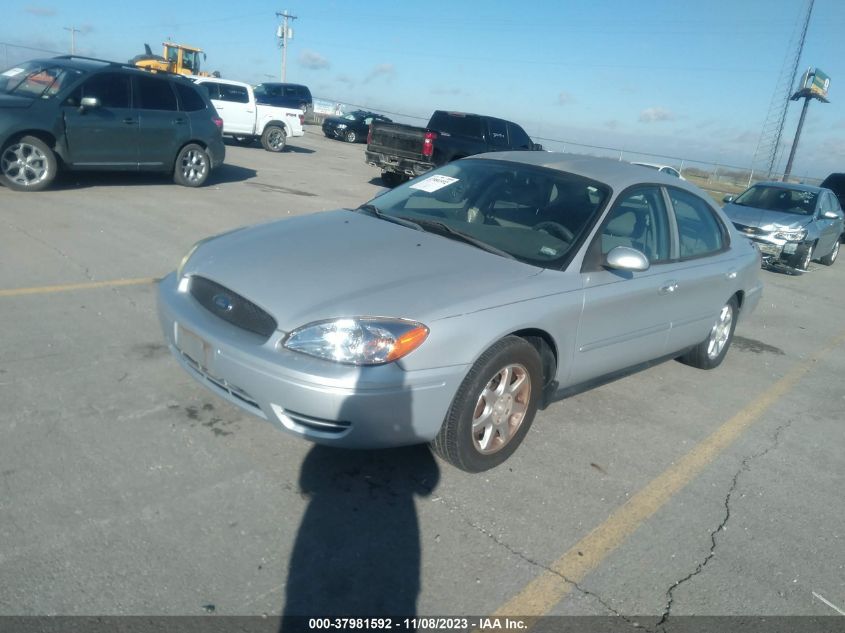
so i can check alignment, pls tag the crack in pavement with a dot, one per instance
(744, 467)
(85, 270)
(539, 565)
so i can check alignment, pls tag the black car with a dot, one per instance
(284, 95)
(81, 113)
(352, 127)
(836, 183)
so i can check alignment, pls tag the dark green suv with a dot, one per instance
(80, 113)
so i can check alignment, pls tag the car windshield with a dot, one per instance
(771, 198)
(354, 116)
(35, 79)
(533, 214)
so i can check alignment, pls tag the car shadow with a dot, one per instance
(298, 150)
(69, 180)
(358, 550)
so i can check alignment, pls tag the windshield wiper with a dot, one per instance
(442, 228)
(374, 211)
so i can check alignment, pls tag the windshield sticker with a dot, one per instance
(548, 251)
(12, 72)
(433, 183)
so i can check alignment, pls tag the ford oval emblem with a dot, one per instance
(223, 302)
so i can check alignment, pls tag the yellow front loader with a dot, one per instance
(177, 58)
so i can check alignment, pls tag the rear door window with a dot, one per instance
(498, 132)
(234, 94)
(212, 88)
(699, 231)
(155, 94)
(189, 98)
(456, 124)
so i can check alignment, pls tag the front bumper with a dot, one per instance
(322, 401)
(781, 253)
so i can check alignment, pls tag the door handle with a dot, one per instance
(129, 121)
(668, 288)
(179, 121)
(730, 275)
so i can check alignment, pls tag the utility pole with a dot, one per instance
(284, 34)
(73, 32)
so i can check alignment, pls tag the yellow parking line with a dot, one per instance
(17, 292)
(549, 588)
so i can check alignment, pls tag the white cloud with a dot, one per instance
(42, 12)
(388, 71)
(656, 114)
(313, 60)
(565, 98)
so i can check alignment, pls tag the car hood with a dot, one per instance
(14, 101)
(341, 263)
(763, 218)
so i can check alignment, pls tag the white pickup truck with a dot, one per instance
(245, 121)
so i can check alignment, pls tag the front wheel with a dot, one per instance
(274, 138)
(28, 164)
(493, 408)
(828, 259)
(192, 166)
(351, 137)
(712, 351)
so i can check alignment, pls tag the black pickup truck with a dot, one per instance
(403, 151)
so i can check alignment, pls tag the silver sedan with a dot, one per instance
(449, 309)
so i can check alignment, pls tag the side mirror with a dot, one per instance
(728, 198)
(625, 258)
(89, 103)
(830, 215)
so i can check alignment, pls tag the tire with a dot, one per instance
(828, 259)
(28, 164)
(710, 353)
(499, 396)
(351, 137)
(274, 138)
(243, 141)
(192, 166)
(804, 266)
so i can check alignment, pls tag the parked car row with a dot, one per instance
(79, 113)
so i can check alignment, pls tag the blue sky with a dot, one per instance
(674, 77)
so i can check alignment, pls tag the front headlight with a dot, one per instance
(341, 126)
(358, 341)
(791, 235)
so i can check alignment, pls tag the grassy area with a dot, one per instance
(717, 190)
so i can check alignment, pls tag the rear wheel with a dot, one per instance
(493, 408)
(28, 164)
(192, 166)
(712, 351)
(391, 179)
(828, 259)
(274, 138)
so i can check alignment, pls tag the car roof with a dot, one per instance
(231, 82)
(790, 185)
(281, 83)
(656, 165)
(90, 64)
(611, 171)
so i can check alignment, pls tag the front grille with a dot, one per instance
(232, 307)
(749, 230)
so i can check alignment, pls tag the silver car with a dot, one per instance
(791, 224)
(449, 309)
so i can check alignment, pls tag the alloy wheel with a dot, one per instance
(501, 408)
(720, 333)
(24, 164)
(194, 165)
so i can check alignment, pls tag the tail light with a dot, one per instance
(370, 134)
(302, 119)
(428, 143)
(218, 122)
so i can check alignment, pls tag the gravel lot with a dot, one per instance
(125, 488)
